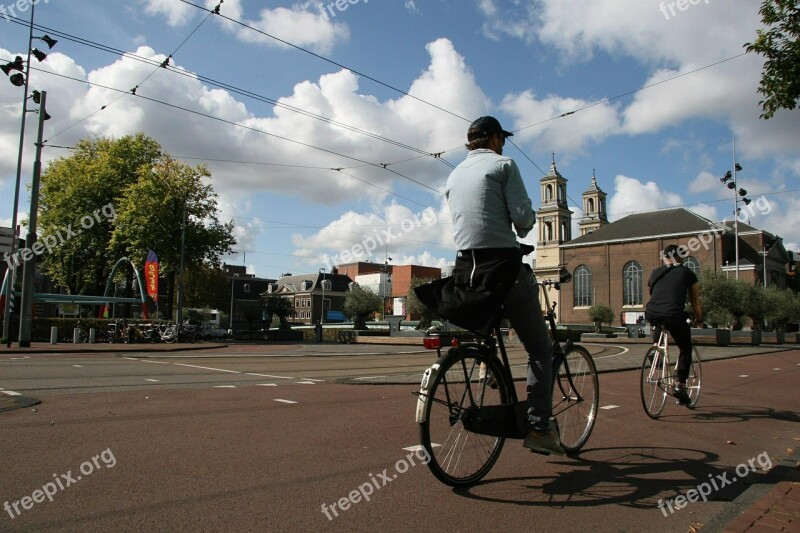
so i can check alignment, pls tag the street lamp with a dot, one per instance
(385, 281)
(20, 79)
(729, 179)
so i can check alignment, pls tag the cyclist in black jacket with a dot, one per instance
(669, 285)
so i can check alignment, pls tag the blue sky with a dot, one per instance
(658, 96)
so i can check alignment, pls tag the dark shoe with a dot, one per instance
(545, 442)
(679, 391)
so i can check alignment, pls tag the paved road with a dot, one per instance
(182, 454)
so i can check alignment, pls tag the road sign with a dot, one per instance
(6, 239)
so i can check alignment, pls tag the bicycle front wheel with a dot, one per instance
(467, 380)
(695, 378)
(654, 372)
(576, 396)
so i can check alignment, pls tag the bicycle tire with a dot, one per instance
(654, 370)
(695, 378)
(459, 457)
(576, 397)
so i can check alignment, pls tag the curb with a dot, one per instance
(9, 403)
(755, 501)
(103, 348)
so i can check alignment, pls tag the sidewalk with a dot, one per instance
(65, 347)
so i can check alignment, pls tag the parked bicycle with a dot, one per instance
(658, 376)
(468, 406)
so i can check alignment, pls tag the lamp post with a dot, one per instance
(385, 282)
(20, 79)
(29, 268)
(730, 180)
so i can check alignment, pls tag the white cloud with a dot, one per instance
(177, 13)
(569, 135)
(632, 196)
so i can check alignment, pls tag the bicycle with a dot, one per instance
(657, 380)
(467, 404)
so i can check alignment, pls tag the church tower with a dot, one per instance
(594, 208)
(554, 219)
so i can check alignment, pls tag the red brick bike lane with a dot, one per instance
(248, 459)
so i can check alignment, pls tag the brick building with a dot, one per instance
(610, 263)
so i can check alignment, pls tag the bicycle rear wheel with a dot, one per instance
(695, 378)
(654, 371)
(467, 380)
(576, 396)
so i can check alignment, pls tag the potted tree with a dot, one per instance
(600, 314)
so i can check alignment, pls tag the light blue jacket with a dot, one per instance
(486, 196)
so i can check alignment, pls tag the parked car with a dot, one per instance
(212, 331)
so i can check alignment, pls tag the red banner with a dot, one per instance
(151, 275)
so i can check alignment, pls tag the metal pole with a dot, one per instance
(13, 278)
(764, 260)
(735, 211)
(29, 268)
(180, 274)
(322, 311)
(231, 317)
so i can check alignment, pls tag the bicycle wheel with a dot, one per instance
(654, 370)
(466, 381)
(576, 396)
(695, 378)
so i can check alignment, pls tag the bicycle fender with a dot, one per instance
(422, 400)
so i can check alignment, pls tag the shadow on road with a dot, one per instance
(633, 477)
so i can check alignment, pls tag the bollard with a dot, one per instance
(76, 336)
(92, 335)
(54, 335)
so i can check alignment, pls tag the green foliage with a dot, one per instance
(281, 308)
(778, 43)
(360, 304)
(206, 286)
(152, 213)
(781, 307)
(415, 307)
(92, 177)
(600, 314)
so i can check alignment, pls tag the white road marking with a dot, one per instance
(419, 447)
(264, 375)
(152, 380)
(11, 393)
(369, 377)
(266, 384)
(776, 369)
(744, 375)
(284, 401)
(209, 368)
(224, 386)
(312, 379)
(304, 383)
(609, 407)
(149, 361)
(78, 366)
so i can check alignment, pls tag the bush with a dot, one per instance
(600, 314)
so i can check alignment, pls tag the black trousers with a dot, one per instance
(681, 332)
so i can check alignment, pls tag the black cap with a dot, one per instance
(485, 127)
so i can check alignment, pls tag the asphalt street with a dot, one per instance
(234, 438)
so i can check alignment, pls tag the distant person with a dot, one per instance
(669, 286)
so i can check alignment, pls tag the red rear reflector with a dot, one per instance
(432, 343)
(454, 343)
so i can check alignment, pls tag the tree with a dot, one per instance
(88, 183)
(276, 306)
(206, 286)
(782, 307)
(359, 304)
(415, 307)
(600, 314)
(152, 214)
(778, 43)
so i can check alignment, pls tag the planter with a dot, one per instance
(752, 337)
(772, 337)
(712, 336)
(284, 335)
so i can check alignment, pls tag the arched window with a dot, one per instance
(632, 284)
(590, 205)
(692, 264)
(548, 193)
(582, 286)
(548, 231)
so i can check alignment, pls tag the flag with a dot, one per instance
(151, 275)
(104, 311)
